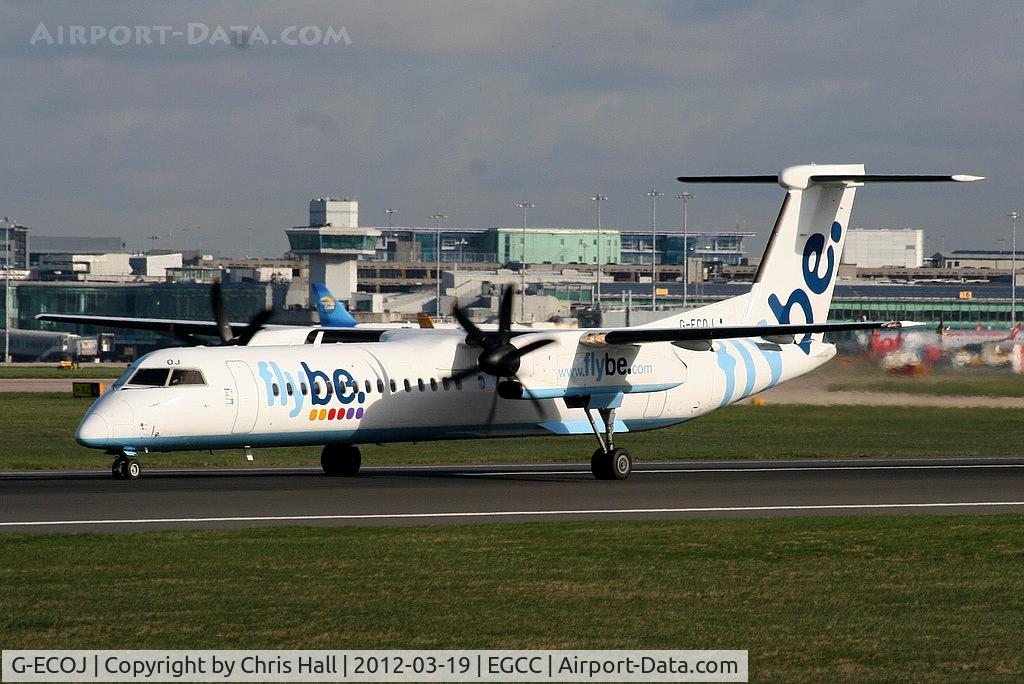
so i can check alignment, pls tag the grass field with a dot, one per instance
(38, 432)
(854, 599)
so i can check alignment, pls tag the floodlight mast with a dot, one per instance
(685, 197)
(598, 199)
(437, 259)
(524, 205)
(654, 195)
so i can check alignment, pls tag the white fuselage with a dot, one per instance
(395, 390)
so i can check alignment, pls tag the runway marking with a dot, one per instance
(477, 471)
(784, 469)
(508, 514)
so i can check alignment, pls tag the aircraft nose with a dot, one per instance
(94, 430)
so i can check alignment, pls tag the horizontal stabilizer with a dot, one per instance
(802, 176)
(640, 335)
(896, 178)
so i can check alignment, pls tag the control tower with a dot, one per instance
(333, 243)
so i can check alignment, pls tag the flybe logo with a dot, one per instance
(597, 367)
(817, 250)
(323, 390)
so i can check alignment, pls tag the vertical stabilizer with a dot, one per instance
(333, 313)
(797, 274)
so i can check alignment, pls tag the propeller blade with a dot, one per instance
(520, 352)
(505, 315)
(492, 413)
(474, 334)
(463, 374)
(219, 313)
(256, 324)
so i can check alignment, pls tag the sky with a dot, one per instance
(465, 108)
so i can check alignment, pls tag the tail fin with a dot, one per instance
(796, 277)
(333, 313)
(797, 274)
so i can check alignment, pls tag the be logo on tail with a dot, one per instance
(817, 250)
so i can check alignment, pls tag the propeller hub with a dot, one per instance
(499, 361)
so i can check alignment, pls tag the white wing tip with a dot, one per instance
(965, 178)
(904, 324)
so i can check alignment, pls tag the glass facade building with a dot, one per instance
(143, 300)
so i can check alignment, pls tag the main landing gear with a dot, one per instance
(126, 467)
(340, 460)
(608, 462)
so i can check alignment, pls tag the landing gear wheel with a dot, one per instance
(132, 469)
(117, 468)
(340, 460)
(621, 464)
(616, 464)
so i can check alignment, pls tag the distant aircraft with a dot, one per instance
(333, 313)
(344, 387)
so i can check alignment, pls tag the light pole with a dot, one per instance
(654, 195)
(686, 197)
(524, 205)
(390, 213)
(598, 198)
(1013, 216)
(437, 258)
(7, 289)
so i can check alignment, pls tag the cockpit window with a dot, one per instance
(149, 377)
(187, 376)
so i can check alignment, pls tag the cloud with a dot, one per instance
(466, 107)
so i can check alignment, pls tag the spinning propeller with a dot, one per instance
(227, 337)
(498, 356)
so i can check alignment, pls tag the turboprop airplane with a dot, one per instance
(340, 388)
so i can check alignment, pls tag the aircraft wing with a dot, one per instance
(178, 327)
(641, 335)
(167, 326)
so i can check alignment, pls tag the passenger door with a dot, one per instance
(247, 400)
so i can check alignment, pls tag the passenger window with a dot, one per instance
(393, 385)
(303, 389)
(368, 386)
(380, 386)
(419, 383)
(187, 376)
(458, 383)
(275, 388)
(408, 387)
(149, 377)
(446, 383)
(433, 385)
(482, 381)
(288, 388)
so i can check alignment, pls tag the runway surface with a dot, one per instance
(407, 495)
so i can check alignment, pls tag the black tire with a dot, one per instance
(132, 469)
(117, 468)
(620, 464)
(600, 465)
(340, 460)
